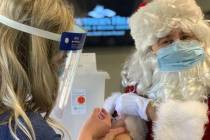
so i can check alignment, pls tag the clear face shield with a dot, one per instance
(72, 42)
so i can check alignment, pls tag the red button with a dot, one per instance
(81, 99)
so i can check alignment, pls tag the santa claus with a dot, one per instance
(168, 77)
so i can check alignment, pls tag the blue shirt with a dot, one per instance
(42, 130)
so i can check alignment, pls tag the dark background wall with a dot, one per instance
(125, 7)
(82, 6)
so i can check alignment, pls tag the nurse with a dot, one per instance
(36, 36)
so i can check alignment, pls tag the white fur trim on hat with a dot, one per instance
(159, 17)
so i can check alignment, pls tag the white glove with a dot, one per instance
(132, 104)
(109, 103)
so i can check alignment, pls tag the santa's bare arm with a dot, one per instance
(124, 136)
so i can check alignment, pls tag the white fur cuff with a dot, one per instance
(179, 120)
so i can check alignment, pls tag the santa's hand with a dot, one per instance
(110, 102)
(132, 104)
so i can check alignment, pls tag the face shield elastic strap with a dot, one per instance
(69, 41)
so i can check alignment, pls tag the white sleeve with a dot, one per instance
(179, 120)
(109, 103)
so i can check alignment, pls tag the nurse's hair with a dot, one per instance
(29, 80)
(154, 21)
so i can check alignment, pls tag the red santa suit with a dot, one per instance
(149, 136)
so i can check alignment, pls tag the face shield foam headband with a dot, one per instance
(72, 42)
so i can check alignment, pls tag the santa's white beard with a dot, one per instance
(191, 84)
(160, 86)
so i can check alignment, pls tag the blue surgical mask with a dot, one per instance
(180, 55)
